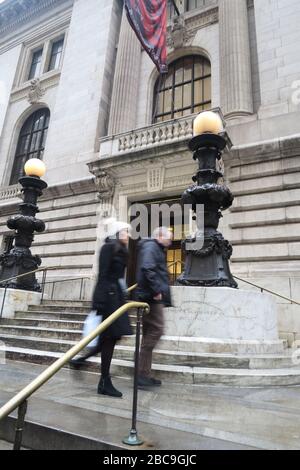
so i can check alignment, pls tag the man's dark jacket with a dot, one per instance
(152, 273)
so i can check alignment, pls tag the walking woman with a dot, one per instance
(109, 295)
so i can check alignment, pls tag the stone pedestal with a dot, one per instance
(221, 319)
(17, 300)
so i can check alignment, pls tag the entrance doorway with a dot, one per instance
(175, 254)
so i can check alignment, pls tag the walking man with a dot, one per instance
(154, 288)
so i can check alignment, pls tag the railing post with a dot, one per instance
(53, 290)
(43, 283)
(81, 289)
(3, 300)
(20, 425)
(133, 439)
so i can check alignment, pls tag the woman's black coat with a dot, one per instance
(108, 294)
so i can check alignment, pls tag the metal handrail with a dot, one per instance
(251, 284)
(24, 394)
(26, 274)
(4, 283)
(267, 290)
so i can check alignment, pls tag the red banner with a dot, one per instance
(148, 18)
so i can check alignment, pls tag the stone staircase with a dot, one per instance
(45, 332)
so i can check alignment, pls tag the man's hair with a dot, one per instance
(164, 232)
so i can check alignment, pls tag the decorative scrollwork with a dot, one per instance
(105, 185)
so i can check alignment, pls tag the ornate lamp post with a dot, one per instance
(20, 259)
(209, 265)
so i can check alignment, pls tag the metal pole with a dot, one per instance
(175, 7)
(45, 376)
(81, 289)
(53, 290)
(3, 301)
(133, 439)
(20, 425)
(43, 283)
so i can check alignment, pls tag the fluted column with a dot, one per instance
(126, 81)
(236, 78)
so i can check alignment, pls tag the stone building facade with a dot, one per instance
(80, 60)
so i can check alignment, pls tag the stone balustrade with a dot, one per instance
(155, 135)
(10, 192)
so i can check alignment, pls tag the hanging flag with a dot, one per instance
(148, 18)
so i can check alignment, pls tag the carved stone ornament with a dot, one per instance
(105, 185)
(183, 31)
(36, 91)
(155, 179)
(177, 36)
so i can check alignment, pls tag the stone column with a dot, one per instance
(126, 81)
(236, 77)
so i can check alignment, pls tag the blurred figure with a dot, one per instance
(110, 293)
(154, 288)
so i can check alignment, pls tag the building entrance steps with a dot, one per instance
(45, 332)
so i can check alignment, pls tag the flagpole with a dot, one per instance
(175, 7)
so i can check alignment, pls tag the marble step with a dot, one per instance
(71, 426)
(176, 374)
(44, 323)
(59, 308)
(38, 332)
(63, 303)
(4, 445)
(170, 343)
(46, 315)
(48, 436)
(123, 352)
(43, 314)
(215, 345)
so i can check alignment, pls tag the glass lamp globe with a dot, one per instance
(207, 122)
(35, 167)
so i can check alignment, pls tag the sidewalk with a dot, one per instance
(170, 417)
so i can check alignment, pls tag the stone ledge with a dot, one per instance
(16, 299)
(282, 147)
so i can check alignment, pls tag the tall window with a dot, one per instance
(56, 54)
(31, 143)
(193, 4)
(35, 68)
(186, 89)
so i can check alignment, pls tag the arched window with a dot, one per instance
(31, 143)
(186, 89)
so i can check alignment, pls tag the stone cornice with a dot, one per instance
(284, 147)
(182, 30)
(42, 30)
(14, 13)
(48, 81)
(10, 195)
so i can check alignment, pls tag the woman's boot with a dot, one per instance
(106, 387)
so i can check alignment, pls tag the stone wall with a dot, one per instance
(8, 65)
(263, 224)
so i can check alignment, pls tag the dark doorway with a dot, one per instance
(175, 254)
